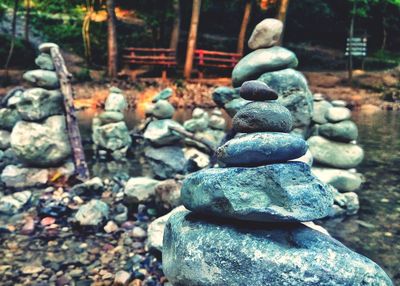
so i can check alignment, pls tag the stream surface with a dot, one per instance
(375, 230)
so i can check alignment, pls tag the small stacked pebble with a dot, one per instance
(110, 133)
(35, 134)
(336, 153)
(243, 223)
(274, 66)
(164, 154)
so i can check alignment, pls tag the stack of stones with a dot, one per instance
(336, 153)
(274, 65)
(39, 140)
(164, 154)
(244, 224)
(110, 133)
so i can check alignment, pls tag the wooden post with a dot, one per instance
(64, 77)
(176, 26)
(112, 40)
(192, 38)
(282, 16)
(243, 27)
(351, 35)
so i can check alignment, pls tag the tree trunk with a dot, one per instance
(112, 40)
(192, 38)
(243, 27)
(282, 16)
(13, 28)
(351, 35)
(27, 16)
(176, 26)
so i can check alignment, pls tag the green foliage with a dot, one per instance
(83, 75)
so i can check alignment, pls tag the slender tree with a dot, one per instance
(112, 39)
(282, 15)
(243, 27)
(191, 46)
(13, 29)
(27, 18)
(176, 25)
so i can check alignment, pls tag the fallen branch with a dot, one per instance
(192, 136)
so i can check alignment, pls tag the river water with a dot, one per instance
(375, 230)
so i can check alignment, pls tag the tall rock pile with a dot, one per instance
(110, 133)
(336, 153)
(36, 120)
(244, 224)
(164, 154)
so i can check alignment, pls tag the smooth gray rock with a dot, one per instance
(44, 62)
(293, 92)
(112, 136)
(162, 109)
(111, 117)
(343, 131)
(266, 34)
(262, 117)
(217, 122)
(320, 109)
(223, 94)
(166, 162)
(197, 124)
(8, 118)
(11, 204)
(343, 180)
(212, 136)
(4, 139)
(261, 148)
(115, 102)
(199, 252)
(335, 154)
(257, 90)
(37, 104)
(140, 190)
(196, 159)
(233, 106)
(168, 194)
(42, 145)
(339, 103)
(336, 114)
(20, 177)
(159, 134)
(261, 61)
(93, 213)
(42, 78)
(46, 47)
(163, 94)
(345, 204)
(277, 192)
(94, 186)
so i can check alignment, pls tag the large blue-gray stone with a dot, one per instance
(256, 149)
(166, 161)
(261, 61)
(278, 192)
(343, 131)
(293, 92)
(200, 252)
(261, 117)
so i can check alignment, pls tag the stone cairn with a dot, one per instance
(244, 224)
(274, 66)
(336, 153)
(164, 154)
(38, 141)
(110, 133)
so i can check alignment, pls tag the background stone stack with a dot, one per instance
(110, 133)
(336, 154)
(38, 139)
(274, 66)
(164, 154)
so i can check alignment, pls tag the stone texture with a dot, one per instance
(36, 104)
(159, 134)
(257, 90)
(166, 161)
(266, 34)
(261, 61)
(336, 114)
(42, 145)
(162, 109)
(46, 47)
(44, 62)
(115, 102)
(168, 194)
(278, 192)
(94, 213)
(163, 94)
(111, 117)
(343, 131)
(223, 94)
(20, 177)
(42, 78)
(293, 92)
(4, 139)
(140, 189)
(335, 154)
(213, 253)
(343, 180)
(8, 118)
(112, 136)
(233, 106)
(320, 109)
(256, 149)
(262, 117)
(11, 204)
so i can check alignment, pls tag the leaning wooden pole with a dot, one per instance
(81, 169)
(243, 27)
(283, 8)
(192, 38)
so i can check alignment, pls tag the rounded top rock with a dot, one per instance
(45, 47)
(257, 90)
(266, 34)
(336, 114)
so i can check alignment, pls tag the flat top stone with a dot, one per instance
(266, 34)
(45, 47)
(336, 114)
(257, 90)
